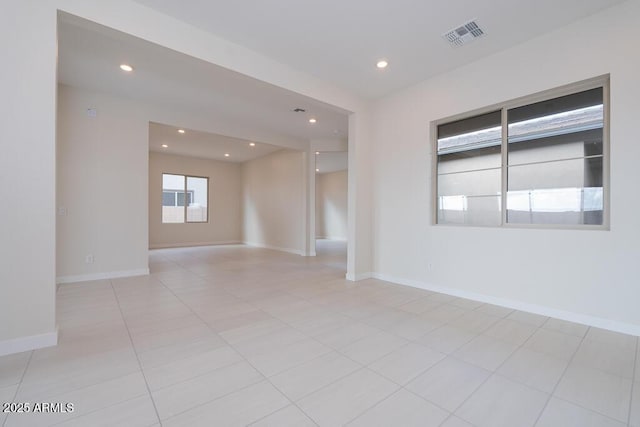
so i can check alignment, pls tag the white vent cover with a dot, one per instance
(463, 34)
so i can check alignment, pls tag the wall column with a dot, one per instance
(360, 218)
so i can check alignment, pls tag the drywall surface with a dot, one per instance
(224, 211)
(273, 198)
(331, 205)
(27, 173)
(589, 276)
(102, 186)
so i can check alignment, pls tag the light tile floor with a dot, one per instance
(234, 336)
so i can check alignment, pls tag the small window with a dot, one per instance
(469, 168)
(178, 189)
(555, 159)
(547, 156)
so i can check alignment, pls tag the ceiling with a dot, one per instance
(89, 56)
(331, 161)
(340, 41)
(204, 145)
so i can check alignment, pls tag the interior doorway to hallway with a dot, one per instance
(331, 207)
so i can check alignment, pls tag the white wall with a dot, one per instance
(225, 218)
(27, 173)
(331, 205)
(103, 186)
(319, 219)
(360, 206)
(589, 276)
(274, 201)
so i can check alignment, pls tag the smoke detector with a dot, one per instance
(463, 34)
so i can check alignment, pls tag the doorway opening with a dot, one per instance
(331, 207)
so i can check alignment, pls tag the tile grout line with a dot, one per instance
(240, 354)
(495, 372)
(15, 394)
(520, 346)
(579, 405)
(89, 386)
(98, 409)
(217, 398)
(340, 353)
(361, 367)
(375, 405)
(267, 378)
(332, 349)
(401, 387)
(564, 372)
(230, 365)
(133, 347)
(293, 403)
(595, 368)
(452, 413)
(315, 340)
(358, 320)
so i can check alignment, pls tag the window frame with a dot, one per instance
(186, 179)
(602, 81)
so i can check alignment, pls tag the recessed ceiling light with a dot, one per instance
(317, 152)
(180, 130)
(227, 154)
(312, 120)
(165, 146)
(252, 144)
(126, 67)
(317, 170)
(383, 63)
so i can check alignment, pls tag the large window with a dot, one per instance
(547, 154)
(184, 198)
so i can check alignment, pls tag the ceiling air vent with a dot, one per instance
(463, 34)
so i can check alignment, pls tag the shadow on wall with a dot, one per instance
(331, 205)
(273, 198)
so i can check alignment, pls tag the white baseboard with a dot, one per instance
(358, 277)
(584, 319)
(102, 276)
(275, 248)
(33, 342)
(189, 244)
(336, 238)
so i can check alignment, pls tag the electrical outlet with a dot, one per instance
(62, 211)
(89, 259)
